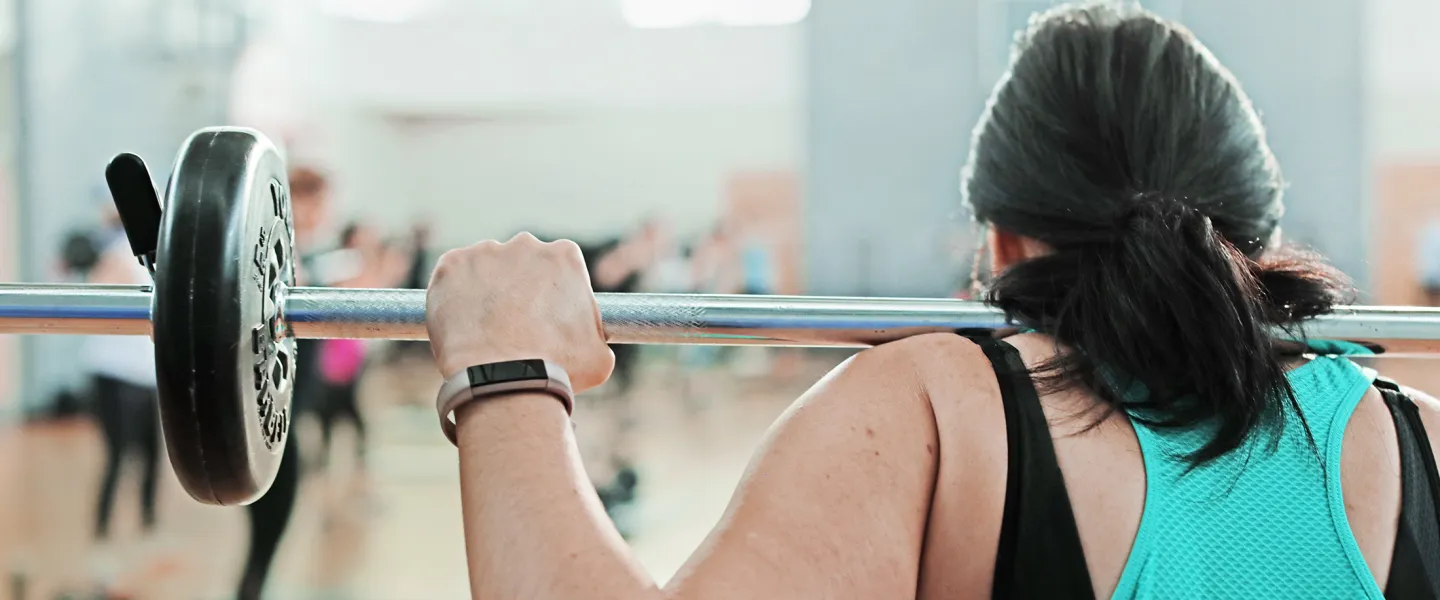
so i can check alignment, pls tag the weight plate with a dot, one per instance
(225, 361)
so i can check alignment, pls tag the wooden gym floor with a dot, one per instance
(390, 533)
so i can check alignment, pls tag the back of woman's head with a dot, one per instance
(1121, 144)
(307, 182)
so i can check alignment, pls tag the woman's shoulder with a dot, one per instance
(950, 370)
(937, 358)
(1426, 402)
(1429, 414)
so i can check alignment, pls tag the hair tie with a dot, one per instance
(1152, 205)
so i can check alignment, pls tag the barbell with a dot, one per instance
(224, 311)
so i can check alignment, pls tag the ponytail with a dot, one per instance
(1165, 301)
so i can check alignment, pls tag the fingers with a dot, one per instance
(524, 237)
(522, 298)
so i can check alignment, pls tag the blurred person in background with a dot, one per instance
(758, 265)
(122, 376)
(78, 255)
(372, 263)
(270, 515)
(714, 270)
(716, 263)
(619, 265)
(418, 278)
(1430, 263)
(757, 272)
(81, 247)
(670, 271)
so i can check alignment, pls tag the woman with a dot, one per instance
(1429, 260)
(619, 265)
(122, 374)
(1166, 447)
(269, 517)
(374, 264)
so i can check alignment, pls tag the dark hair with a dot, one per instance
(80, 250)
(307, 181)
(347, 235)
(1119, 142)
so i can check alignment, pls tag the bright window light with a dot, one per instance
(734, 13)
(380, 11)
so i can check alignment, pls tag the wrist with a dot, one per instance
(486, 422)
(497, 381)
(454, 362)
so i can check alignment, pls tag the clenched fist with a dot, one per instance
(523, 299)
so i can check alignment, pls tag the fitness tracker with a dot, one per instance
(497, 379)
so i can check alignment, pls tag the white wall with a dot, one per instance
(1403, 45)
(503, 53)
(1405, 127)
(1404, 70)
(464, 66)
(570, 173)
(550, 114)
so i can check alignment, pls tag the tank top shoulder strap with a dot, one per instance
(1040, 555)
(1415, 569)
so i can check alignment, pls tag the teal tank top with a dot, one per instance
(1256, 511)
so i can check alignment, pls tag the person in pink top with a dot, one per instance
(342, 362)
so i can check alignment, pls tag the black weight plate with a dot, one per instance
(225, 363)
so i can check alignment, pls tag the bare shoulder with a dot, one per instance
(908, 369)
(1428, 404)
(952, 374)
(1429, 414)
(843, 479)
(937, 377)
(938, 361)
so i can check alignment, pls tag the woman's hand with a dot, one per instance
(523, 299)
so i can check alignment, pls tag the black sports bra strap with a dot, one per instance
(1415, 569)
(1040, 555)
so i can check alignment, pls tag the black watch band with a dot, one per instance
(502, 378)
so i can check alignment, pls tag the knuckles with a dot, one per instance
(443, 266)
(524, 238)
(570, 252)
(524, 253)
(525, 261)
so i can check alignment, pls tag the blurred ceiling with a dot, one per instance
(503, 55)
(466, 55)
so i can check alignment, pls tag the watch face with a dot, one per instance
(505, 372)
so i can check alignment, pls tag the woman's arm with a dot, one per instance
(834, 505)
(534, 528)
(835, 502)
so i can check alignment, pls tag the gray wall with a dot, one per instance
(1302, 63)
(895, 87)
(893, 91)
(94, 79)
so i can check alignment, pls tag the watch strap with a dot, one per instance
(499, 379)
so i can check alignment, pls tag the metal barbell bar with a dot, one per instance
(225, 316)
(642, 318)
